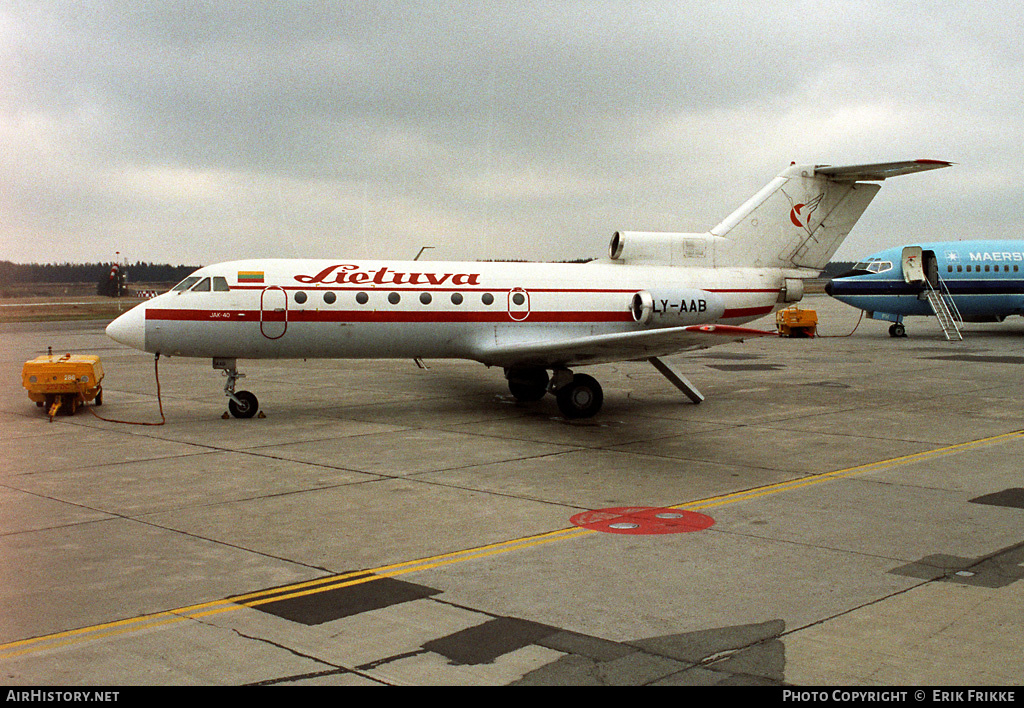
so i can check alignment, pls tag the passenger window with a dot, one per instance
(220, 285)
(425, 298)
(394, 298)
(362, 298)
(986, 269)
(456, 298)
(330, 297)
(959, 269)
(518, 299)
(949, 269)
(487, 299)
(300, 297)
(203, 286)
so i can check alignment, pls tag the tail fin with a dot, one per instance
(802, 216)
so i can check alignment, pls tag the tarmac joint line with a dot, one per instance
(57, 640)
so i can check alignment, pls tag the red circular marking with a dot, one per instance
(795, 216)
(642, 520)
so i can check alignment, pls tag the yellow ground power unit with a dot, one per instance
(794, 322)
(63, 382)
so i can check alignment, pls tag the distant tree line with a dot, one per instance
(140, 272)
(526, 260)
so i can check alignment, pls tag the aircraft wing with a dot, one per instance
(605, 348)
(879, 171)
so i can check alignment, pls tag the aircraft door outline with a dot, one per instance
(273, 319)
(518, 304)
(913, 264)
(931, 268)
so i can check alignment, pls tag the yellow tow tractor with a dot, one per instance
(794, 322)
(63, 382)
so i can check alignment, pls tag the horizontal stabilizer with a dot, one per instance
(604, 348)
(880, 170)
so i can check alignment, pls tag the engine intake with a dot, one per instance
(676, 306)
(642, 305)
(663, 248)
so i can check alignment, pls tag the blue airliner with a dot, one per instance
(955, 281)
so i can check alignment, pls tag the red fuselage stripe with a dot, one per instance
(357, 288)
(408, 316)
(380, 316)
(747, 312)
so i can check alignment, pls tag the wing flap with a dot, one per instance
(605, 348)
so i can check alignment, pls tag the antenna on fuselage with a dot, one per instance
(421, 252)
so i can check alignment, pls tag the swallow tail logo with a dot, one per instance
(800, 214)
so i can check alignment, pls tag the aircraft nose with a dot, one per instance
(130, 328)
(828, 288)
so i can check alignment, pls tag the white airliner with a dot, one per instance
(656, 294)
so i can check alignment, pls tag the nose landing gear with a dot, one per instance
(242, 404)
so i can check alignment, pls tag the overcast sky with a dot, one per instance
(195, 132)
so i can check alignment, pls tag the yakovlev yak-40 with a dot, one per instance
(655, 295)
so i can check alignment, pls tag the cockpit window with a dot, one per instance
(220, 285)
(874, 265)
(186, 283)
(203, 286)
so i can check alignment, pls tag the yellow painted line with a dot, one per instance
(254, 599)
(343, 580)
(811, 480)
(434, 562)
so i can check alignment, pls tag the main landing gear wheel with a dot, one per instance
(243, 405)
(897, 330)
(527, 385)
(580, 398)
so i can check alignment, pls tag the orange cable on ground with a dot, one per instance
(159, 400)
(826, 336)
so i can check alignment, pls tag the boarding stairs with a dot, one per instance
(945, 310)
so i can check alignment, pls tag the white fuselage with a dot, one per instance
(423, 309)
(657, 294)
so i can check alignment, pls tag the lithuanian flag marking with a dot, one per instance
(250, 276)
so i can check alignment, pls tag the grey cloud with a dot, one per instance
(478, 124)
